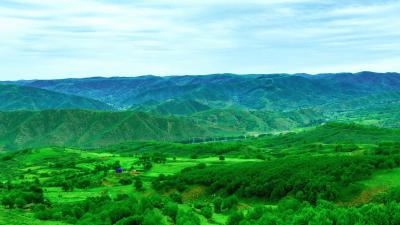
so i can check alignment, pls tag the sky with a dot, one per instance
(50, 39)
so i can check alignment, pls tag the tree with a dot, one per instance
(125, 181)
(130, 220)
(221, 157)
(176, 197)
(20, 202)
(116, 164)
(235, 218)
(230, 202)
(67, 186)
(218, 205)
(154, 217)
(118, 212)
(8, 201)
(147, 166)
(83, 183)
(207, 212)
(187, 217)
(171, 210)
(138, 184)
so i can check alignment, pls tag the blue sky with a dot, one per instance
(47, 39)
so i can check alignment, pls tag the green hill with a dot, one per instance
(258, 121)
(331, 133)
(29, 98)
(172, 107)
(90, 129)
(79, 128)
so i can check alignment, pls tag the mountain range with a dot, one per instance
(90, 112)
(254, 92)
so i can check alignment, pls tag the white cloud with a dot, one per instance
(100, 37)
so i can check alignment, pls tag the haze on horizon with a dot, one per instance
(51, 39)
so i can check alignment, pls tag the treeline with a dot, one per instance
(240, 148)
(307, 178)
(121, 210)
(18, 195)
(294, 212)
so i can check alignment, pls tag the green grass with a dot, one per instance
(384, 179)
(19, 217)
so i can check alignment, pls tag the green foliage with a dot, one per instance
(171, 210)
(230, 202)
(176, 197)
(93, 129)
(187, 217)
(153, 217)
(138, 184)
(235, 218)
(126, 181)
(308, 177)
(21, 194)
(323, 213)
(207, 212)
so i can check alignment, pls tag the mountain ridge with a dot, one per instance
(13, 97)
(253, 91)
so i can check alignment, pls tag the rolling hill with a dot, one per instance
(14, 97)
(90, 128)
(172, 107)
(258, 121)
(81, 128)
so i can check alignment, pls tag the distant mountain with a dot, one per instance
(79, 128)
(172, 107)
(258, 121)
(178, 108)
(219, 91)
(14, 97)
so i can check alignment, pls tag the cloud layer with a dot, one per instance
(76, 38)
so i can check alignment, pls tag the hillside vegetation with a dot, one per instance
(90, 128)
(79, 128)
(29, 98)
(310, 177)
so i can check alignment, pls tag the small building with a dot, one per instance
(119, 170)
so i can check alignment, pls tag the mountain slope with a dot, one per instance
(172, 107)
(258, 121)
(334, 133)
(79, 128)
(30, 98)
